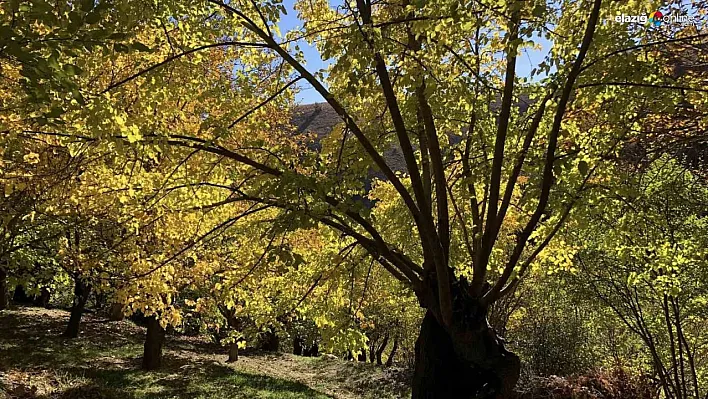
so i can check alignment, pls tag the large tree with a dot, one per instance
(492, 164)
(485, 185)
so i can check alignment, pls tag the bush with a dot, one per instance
(615, 384)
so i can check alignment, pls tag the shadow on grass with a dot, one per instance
(191, 380)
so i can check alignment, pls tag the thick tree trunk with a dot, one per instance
(154, 339)
(3, 289)
(233, 352)
(43, 299)
(379, 352)
(81, 295)
(466, 365)
(116, 312)
(389, 361)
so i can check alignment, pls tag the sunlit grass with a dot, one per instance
(36, 362)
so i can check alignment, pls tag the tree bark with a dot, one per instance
(3, 289)
(372, 351)
(270, 341)
(298, 346)
(43, 299)
(462, 365)
(233, 352)
(362, 356)
(389, 361)
(81, 295)
(116, 312)
(154, 339)
(379, 352)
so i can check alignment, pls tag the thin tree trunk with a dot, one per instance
(372, 351)
(379, 352)
(81, 295)
(362, 355)
(672, 346)
(154, 339)
(233, 352)
(389, 361)
(298, 346)
(3, 289)
(682, 341)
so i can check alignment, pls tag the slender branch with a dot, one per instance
(647, 85)
(640, 46)
(547, 181)
(264, 102)
(480, 267)
(176, 56)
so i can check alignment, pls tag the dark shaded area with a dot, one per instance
(438, 371)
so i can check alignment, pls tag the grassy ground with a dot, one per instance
(104, 362)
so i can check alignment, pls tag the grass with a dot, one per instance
(104, 362)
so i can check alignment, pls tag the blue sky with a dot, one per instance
(314, 62)
(526, 61)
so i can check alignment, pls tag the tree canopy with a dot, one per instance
(150, 154)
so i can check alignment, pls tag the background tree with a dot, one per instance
(650, 280)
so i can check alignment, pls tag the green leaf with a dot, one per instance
(140, 47)
(93, 17)
(54, 113)
(72, 70)
(120, 48)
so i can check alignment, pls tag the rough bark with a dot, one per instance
(81, 295)
(389, 361)
(462, 365)
(3, 289)
(233, 352)
(154, 339)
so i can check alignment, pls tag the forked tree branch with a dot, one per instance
(547, 181)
